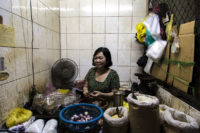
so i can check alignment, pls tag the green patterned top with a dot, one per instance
(111, 82)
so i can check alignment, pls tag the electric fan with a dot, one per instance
(63, 73)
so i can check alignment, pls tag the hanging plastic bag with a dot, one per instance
(155, 51)
(148, 66)
(175, 48)
(142, 61)
(153, 25)
(169, 29)
(149, 39)
(17, 116)
(141, 30)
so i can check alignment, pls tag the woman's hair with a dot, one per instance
(106, 53)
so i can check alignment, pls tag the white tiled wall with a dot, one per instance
(89, 24)
(81, 25)
(18, 60)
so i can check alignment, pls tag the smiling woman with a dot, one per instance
(101, 81)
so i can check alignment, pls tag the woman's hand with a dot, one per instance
(96, 94)
(85, 89)
(85, 92)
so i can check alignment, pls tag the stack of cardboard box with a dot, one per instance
(170, 72)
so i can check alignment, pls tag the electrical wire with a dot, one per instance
(33, 87)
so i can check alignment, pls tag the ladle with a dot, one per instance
(118, 112)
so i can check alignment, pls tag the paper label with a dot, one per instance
(7, 36)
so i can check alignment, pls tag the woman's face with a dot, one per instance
(100, 60)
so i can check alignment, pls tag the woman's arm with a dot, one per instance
(107, 95)
(104, 95)
(85, 88)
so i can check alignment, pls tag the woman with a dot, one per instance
(101, 81)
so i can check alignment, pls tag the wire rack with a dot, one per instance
(186, 11)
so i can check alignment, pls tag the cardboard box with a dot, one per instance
(159, 70)
(186, 54)
(181, 84)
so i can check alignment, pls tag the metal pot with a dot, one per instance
(118, 98)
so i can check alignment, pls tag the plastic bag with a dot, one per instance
(49, 103)
(23, 126)
(38, 102)
(155, 51)
(141, 31)
(36, 127)
(148, 66)
(169, 29)
(153, 25)
(142, 61)
(49, 89)
(125, 104)
(17, 116)
(50, 126)
(70, 98)
(53, 102)
(175, 48)
(149, 39)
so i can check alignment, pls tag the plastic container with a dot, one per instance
(93, 110)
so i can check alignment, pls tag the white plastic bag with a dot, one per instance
(153, 25)
(23, 126)
(155, 50)
(50, 126)
(36, 127)
(175, 48)
(148, 66)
